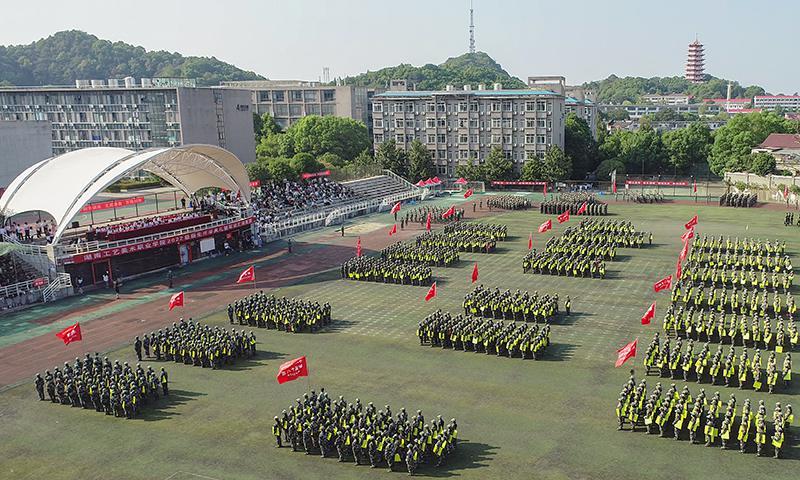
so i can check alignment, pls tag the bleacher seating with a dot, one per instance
(377, 187)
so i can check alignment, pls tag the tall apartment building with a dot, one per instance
(461, 126)
(122, 113)
(287, 101)
(582, 102)
(786, 102)
(22, 144)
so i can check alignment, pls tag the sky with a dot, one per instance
(582, 40)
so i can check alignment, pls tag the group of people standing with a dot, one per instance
(291, 315)
(373, 269)
(518, 306)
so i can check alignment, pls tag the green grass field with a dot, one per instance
(548, 419)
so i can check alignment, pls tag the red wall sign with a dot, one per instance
(125, 202)
(324, 173)
(654, 183)
(139, 247)
(516, 182)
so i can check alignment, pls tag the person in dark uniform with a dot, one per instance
(164, 382)
(137, 346)
(38, 382)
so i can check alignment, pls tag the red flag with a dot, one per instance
(678, 270)
(428, 222)
(626, 352)
(393, 230)
(468, 193)
(450, 212)
(545, 226)
(475, 273)
(176, 300)
(292, 370)
(545, 189)
(358, 247)
(70, 334)
(649, 314)
(691, 223)
(684, 251)
(396, 208)
(583, 208)
(564, 217)
(663, 284)
(785, 192)
(694, 185)
(248, 275)
(687, 235)
(431, 292)
(530, 241)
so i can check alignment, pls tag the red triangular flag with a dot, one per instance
(545, 226)
(70, 334)
(292, 370)
(475, 273)
(678, 271)
(176, 300)
(468, 193)
(545, 189)
(626, 352)
(431, 292)
(694, 185)
(393, 230)
(428, 222)
(684, 251)
(583, 208)
(785, 192)
(649, 314)
(564, 217)
(248, 275)
(450, 212)
(530, 241)
(688, 234)
(396, 208)
(663, 284)
(358, 247)
(691, 223)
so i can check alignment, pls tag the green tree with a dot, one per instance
(319, 135)
(761, 163)
(532, 170)
(264, 126)
(497, 166)
(258, 171)
(365, 159)
(734, 141)
(688, 147)
(580, 146)
(275, 145)
(330, 159)
(471, 171)
(556, 165)
(280, 168)
(304, 163)
(607, 166)
(392, 158)
(421, 163)
(639, 151)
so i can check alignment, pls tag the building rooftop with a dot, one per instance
(781, 140)
(479, 93)
(777, 97)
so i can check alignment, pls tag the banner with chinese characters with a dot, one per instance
(324, 173)
(163, 242)
(125, 202)
(654, 183)
(516, 182)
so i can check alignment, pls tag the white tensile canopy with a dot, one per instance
(63, 185)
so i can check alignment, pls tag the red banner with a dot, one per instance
(39, 282)
(140, 247)
(255, 183)
(125, 202)
(324, 173)
(653, 183)
(516, 182)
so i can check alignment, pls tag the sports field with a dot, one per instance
(552, 418)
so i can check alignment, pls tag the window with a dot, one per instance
(310, 96)
(495, 106)
(398, 123)
(330, 96)
(506, 106)
(530, 123)
(432, 153)
(473, 123)
(462, 107)
(431, 138)
(312, 109)
(329, 109)
(495, 123)
(530, 106)
(496, 139)
(442, 154)
(464, 154)
(431, 107)
(462, 138)
(378, 138)
(462, 123)
(507, 138)
(441, 138)
(409, 137)
(281, 110)
(295, 111)
(540, 139)
(441, 107)
(541, 106)
(541, 123)
(473, 107)
(441, 122)
(378, 123)
(540, 154)
(506, 123)
(530, 154)
(530, 139)
(430, 122)
(397, 107)
(377, 107)
(409, 123)
(263, 96)
(297, 96)
(399, 138)
(409, 107)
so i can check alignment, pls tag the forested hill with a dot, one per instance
(617, 90)
(64, 57)
(466, 69)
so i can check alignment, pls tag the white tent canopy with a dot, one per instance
(63, 185)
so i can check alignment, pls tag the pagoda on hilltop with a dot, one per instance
(694, 63)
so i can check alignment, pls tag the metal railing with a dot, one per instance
(86, 247)
(23, 288)
(60, 282)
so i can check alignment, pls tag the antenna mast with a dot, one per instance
(471, 30)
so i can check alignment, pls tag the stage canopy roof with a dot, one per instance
(63, 185)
